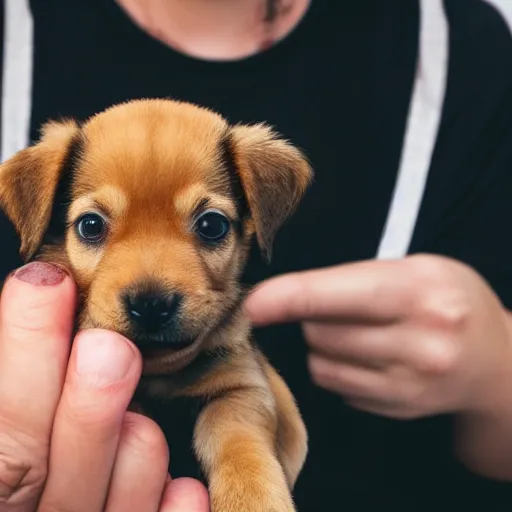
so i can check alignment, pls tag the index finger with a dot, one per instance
(366, 291)
(36, 320)
(36, 317)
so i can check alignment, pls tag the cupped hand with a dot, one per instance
(406, 338)
(66, 440)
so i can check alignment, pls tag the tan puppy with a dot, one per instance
(152, 205)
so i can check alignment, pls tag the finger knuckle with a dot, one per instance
(447, 308)
(439, 357)
(143, 435)
(439, 296)
(426, 272)
(454, 309)
(21, 478)
(426, 267)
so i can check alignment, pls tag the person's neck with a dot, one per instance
(216, 29)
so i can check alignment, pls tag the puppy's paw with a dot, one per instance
(250, 493)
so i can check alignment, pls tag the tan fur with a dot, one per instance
(146, 167)
(29, 180)
(275, 175)
(291, 435)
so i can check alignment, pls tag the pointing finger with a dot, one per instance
(36, 319)
(369, 291)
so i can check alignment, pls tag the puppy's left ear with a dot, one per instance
(274, 175)
(28, 182)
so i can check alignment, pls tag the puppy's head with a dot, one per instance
(152, 205)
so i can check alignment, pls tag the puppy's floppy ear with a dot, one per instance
(28, 182)
(274, 175)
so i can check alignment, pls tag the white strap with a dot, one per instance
(422, 127)
(17, 77)
(504, 7)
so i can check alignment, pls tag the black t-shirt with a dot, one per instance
(404, 108)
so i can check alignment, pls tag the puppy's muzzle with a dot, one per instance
(153, 318)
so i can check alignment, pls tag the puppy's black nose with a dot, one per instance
(150, 312)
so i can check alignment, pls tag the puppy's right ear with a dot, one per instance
(28, 182)
(274, 175)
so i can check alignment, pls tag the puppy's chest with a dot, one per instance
(177, 418)
(164, 400)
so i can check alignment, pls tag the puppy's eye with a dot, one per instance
(91, 228)
(212, 226)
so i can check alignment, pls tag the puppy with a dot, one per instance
(152, 206)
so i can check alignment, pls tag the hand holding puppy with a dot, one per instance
(404, 339)
(66, 440)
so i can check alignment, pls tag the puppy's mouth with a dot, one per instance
(149, 345)
(161, 358)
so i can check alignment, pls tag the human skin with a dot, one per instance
(216, 30)
(67, 441)
(408, 338)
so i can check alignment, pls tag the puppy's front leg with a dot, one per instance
(235, 441)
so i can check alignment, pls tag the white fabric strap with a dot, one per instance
(17, 76)
(504, 7)
(421, 134)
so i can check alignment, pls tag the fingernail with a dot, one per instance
(39, 273)
(102, 360)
